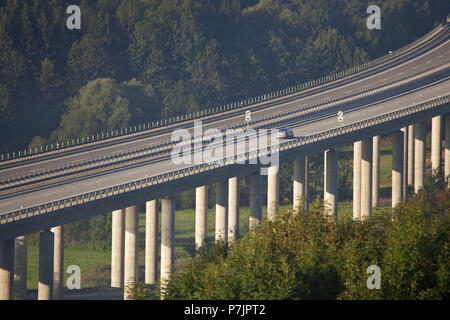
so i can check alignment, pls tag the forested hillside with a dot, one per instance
(135, 61)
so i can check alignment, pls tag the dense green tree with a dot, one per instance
(91, 57)
(100, 231)
(309, 256)
(48, 82)
(36, 143)
(186, 55)
(99, 106)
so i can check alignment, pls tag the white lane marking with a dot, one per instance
(53, 192)
(4, 203)
(415, 67)
(37, 170)
(265, 110)
(113, 180)
(90, 183)
(401, 73)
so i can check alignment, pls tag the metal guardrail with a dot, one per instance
(112, 159)
(193, 170)
(362, 95)
(167, 123)
(164, 148)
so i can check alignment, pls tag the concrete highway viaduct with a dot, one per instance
(397, 95)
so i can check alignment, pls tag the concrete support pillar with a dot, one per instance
(357, 180)
(255, 182)
(151, 242)
(46, 254)
(20, 267)
(411, 155)
(376, 172)
(397, 168)
(221, 211)
(306, 183)
(201, 216)
(272, 192)
(447, 146)
(436, 144)
(6, 269)
(167, 240)
(405, 163)
(366, 177)
(131, 250)
(331, 182)
(233, 209)
(58, 262)
(299, 188)
(117, 248)
(419, 155)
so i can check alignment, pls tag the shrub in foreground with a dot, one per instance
(307, 255)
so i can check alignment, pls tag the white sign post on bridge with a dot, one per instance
(248, 117)
(341, 118)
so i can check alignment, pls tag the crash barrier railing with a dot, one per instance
(235, 159)
(164, 148)
(146, 128)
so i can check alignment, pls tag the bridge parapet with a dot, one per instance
(163, 124)
(292, 146)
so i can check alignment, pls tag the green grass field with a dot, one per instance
(95, 265)
(89, 261)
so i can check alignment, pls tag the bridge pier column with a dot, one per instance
(366, 177)
(306, 182)
(6, 269)
(117, 248)
(376, 172)
(221, 211)
(151, 242)
(411, 156)
(58, 262)
(447, 146)
(201, 216)
(233, 209)
(255, 182)
(405, 163)
(436, 144)
(357, 180)
(272, 192)
(300, 186)
(419, 155)
(131, 250)
(397, 168)
(167, 240)
(46, 264)
(331, 182)
(20, 267)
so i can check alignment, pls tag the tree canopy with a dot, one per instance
(184, 55)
